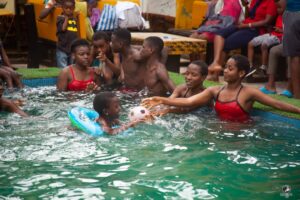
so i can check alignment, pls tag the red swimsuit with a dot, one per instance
(78, 85)
(231, 110)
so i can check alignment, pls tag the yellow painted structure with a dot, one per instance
(46, 28)
(190, 13)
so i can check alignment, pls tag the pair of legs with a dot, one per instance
(265, 41)
(10, 77)
(291, 47)
(225, 40)
(275, 54)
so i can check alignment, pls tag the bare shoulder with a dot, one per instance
(181, 88)
(214, 89)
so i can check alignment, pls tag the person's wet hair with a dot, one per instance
(100, 35)
(123, 35)
(68, 1)
(78, 43)
(156, 43)
(242, 63)
(102, 101)
(202, 66)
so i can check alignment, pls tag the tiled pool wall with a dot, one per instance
(256, 112)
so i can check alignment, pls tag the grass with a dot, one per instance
(39, 72)
(177, 78)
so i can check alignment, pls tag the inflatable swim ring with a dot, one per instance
(85, 120)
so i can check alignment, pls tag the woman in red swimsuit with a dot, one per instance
(233, 102)
(78, 76)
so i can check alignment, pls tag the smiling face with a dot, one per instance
(101, 46)
(193, 77)
(81, 56)
(113, 109)
(231, 72)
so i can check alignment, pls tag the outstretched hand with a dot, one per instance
(151, 102)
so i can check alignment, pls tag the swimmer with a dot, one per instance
(107, 105)
(233, 101)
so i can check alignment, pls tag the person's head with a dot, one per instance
(236, 68)
(195, 74)
(152, 46)
(80, 50)
(107, 104)
(1, 87)
(68, 7)
(281, 5)
(120, 38)
(101, 42)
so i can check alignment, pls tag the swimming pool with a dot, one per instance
(192, 156)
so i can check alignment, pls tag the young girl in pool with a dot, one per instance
(107, 105)
(78, 76)
(233, 101)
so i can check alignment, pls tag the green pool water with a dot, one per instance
(193, 156)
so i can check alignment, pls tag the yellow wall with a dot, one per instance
(190, 13)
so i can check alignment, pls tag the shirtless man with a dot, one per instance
(156, 77)
(132, 71)
(9, 105)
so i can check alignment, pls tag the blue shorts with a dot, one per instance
(236, 38)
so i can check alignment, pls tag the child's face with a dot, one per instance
(68, 8)
(81, 56)
(116, 44)
(146, 50)
(231, 72)
(114, 108)
(281, 4)
(100, 46)
(193, 77)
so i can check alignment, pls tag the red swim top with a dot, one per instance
(231, 110)
(78, 85)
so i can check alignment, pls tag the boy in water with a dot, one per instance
(107, 105)
(66, 33)
(132, 70)
(156, 75)
(9, 105)
(108, 63)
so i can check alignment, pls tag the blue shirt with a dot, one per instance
(293, 5)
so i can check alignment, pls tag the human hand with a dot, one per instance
(92, 87)
(102, 57)
(241, 26)
(277, 29)
(151, 102)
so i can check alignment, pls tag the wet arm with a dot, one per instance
(269, 101)
(165, 79)
(11, 107)
(115, 65)
(197, 100)
(62, 81)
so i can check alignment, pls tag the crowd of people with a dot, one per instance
(115, 62)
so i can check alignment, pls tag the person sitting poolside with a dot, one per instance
(78, 76)
(156, 76)
(9, 105)
(102, 56)
(233, 101)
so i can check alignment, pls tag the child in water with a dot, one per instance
(107, 105)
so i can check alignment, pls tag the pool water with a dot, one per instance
(193, 156)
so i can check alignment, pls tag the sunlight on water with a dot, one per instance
(193, 156)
